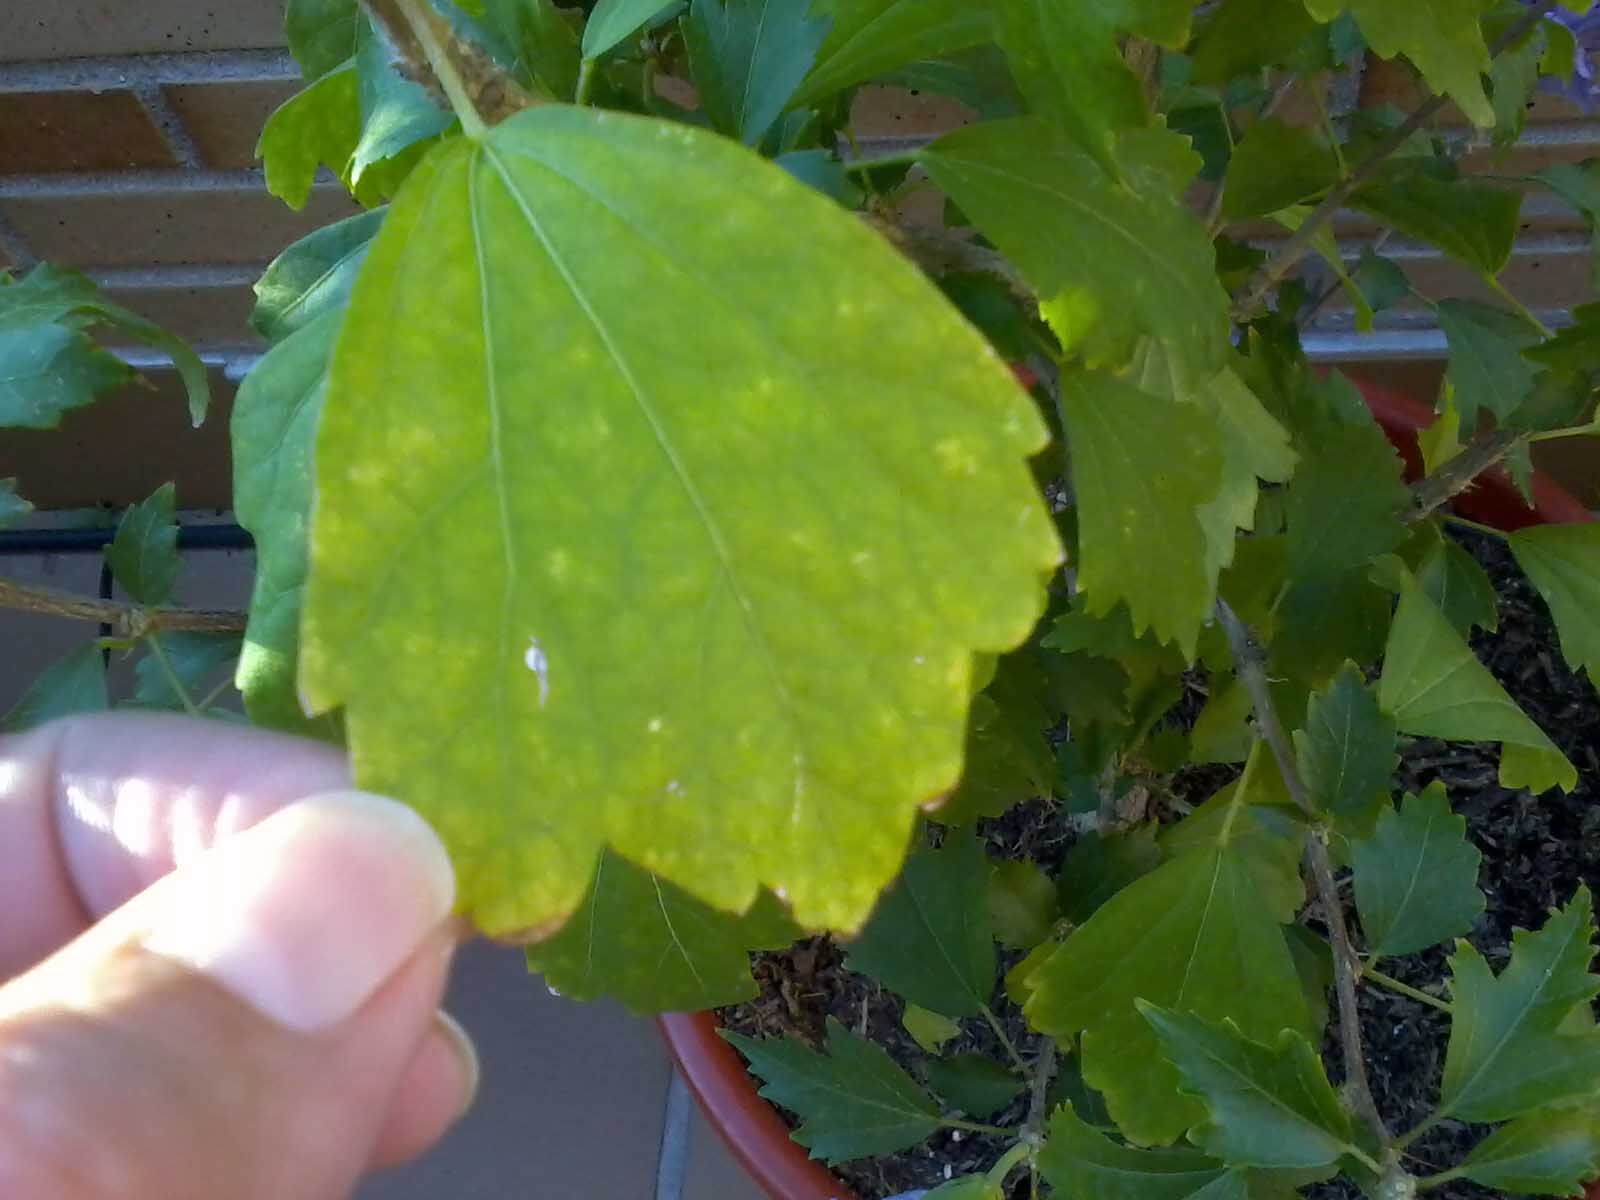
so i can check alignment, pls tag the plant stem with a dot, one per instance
(1273, 271)
(1251, 665)
(1010, 1046)
(1477, 527)
(1460, 472)
(128, 621)
(1008, 1161)
(1404, 989)
(1517, 306)
(585, 86)
(1592, 429)
(978, 1127)
(159, 653)
(444, 67)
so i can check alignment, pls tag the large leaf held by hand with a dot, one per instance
(1078, 1160)
(1563, 562)
(1416, 877)
(854, 1101)
(1512, 1046)
(655, 947)
(623, 535)
(1433, 686)
(929, 939)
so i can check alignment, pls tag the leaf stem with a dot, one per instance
(1592, 429)
(159, 653)
(1517, 306)
(1477, 527)
(1404, 989)
(978, 1127)
(1005, 1040)
(585, 88)
(1008, 1161)
(857, 165)
(444, 68)
(1273, 271)
(1250, 662)
(128, 621)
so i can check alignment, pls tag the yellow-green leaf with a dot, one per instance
(587, 450)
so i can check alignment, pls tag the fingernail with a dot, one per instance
(461, 1042)
(305, 915)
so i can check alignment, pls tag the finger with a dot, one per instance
(429, 1098)
(242, 1027)
(95, 809)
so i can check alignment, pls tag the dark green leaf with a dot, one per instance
(1561, 51)
(1276, 165)
(1008, 757)
(978, 77)
(542, 43)
(1459, 587)
(193, 658)
(396, 113)
(853, 1103)
(929, 939)
(1269, 1105)
(12, 506)
(1475, 222)
(321, 33)
(1346, 750)
(1382, 280)
(613, 21)
(1576, 183)
(1563, 562)
(1575, 348)
(640, 940)
(1111, 263)
(749, 56)
(313, 276)
(1513, 80)
(75, 683)
(868, 38)
(1335, 528)
(1553, 1153)
(973, 1083)
(1313, 960)
(1245, 36)
(144, 554)
(822, 170)
(1079, 1161)
(1434, 687)
(1101, 865)
(1487, 368)
(1512, 1048)
(1022, 904)
(274, 428)
(1416, 876)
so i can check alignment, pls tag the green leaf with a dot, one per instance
(274, 426)
(974, 1084)
(1245, 36)
(144, 554)
(1416, 877)
(1008, 758)
(1487, 369)
(1433, 686)
(1269, 1105)
(1381, 281)
(1552, 1153)
(928, 1029)
(749, 56)
(318, 125)
(822, 170)
(969, 1187)
(1313, 960)
(1474, 222)
(1254, 447)
(1346, 751)
(1204, 906)
(854, 1102)
(1276, 166)
(1022, 904)
(313, 276)
(868, 38)
(1563, 562)
(1335, 528)
(1514, 78)
(194, 658)
(929, 939)
(1111, 262)
(12, 506)
(1511, 1050)
(1141, 540)
(1459, 587)
(321, 33)
(755, 617)
(75, 683)
(656, 948)
(612, 21)
(1078, 1160)
(542, 43)
(1440, 37)
(396, 112)
(47, 365)
(1067, 60)
(1100, 865)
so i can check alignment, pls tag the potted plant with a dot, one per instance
(759, 559)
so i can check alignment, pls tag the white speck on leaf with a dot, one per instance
(655, 725)
(674, 788)
(540, 666)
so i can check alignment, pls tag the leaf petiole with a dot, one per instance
(978, 1127)
(1405, 989)
(159, 653)
(1476, 527)
(1005, 1040)
(1008, 1161)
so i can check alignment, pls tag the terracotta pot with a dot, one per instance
(716, 1074)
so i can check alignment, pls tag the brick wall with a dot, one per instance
(127, 136)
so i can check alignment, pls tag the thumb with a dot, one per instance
(259, 1023)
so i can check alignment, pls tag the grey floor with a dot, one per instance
(575, 1096)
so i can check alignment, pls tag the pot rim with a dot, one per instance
(751, 1128)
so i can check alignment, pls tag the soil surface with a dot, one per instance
(1536, 851)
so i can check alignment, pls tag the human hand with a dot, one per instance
(227, 991)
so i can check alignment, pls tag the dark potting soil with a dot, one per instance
(1536, 851)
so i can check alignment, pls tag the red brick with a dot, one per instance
(205, 315)
(225, 119)
(43, 132)
(32, 30)
(890, 112)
